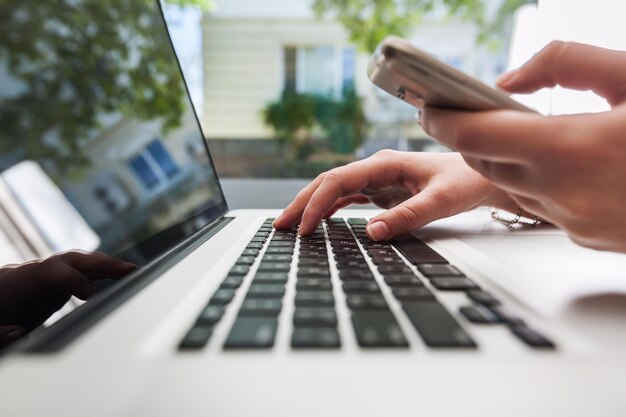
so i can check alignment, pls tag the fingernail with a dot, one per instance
(377, 230)
(277, 219)
(130, 265)
(12, 337)
(507, 77)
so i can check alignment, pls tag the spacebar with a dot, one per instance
(416, 251)
(436, 326)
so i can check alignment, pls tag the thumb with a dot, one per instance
(407, 216)
(571, 65)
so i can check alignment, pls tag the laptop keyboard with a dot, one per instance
(345, 246)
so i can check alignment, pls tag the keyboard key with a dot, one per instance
(211, 314)
(239, 270)
(222, 296)
(366, 302)
(317, 245)
(257, 290)
(352, 264)
(453, 284)
(245, 260)
(339, 242)
(314, 298)
(196, 338)
(360, 287)
(285, 233)
(313, 241)
(250, 252)
(355, 275)
(349, 257)
(355, 221)
(380, 252)
(480, 315)
(315, 316)
(277, 257)
(375, 244)
(233, 281)
(439, 270)
(319, 262)
(274, 267)
(394, 269)
(505, 315)
(413, 294)
(416, 251)
(258, 306)
(283, 238)
(403, 281)
(314, 284)
(281, 242)
(377, 329)
(313, 271)
(313, 254)
(436, 326)
(532, 337)
(252, 332)
(341, 234)
(271, 277)
(338, 250)
(254, 245)
(315, 337)
(483, 297)
(387, 260)
(273, 249)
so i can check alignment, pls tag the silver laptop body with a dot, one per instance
(225, 316)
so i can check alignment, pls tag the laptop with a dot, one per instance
(225, 316)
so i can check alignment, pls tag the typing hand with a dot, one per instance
(417, 188)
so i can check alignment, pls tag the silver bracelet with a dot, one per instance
(518, 218)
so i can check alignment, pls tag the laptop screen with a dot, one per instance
(100, 147)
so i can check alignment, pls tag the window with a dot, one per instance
(153, 166)
(163, 158)
(324, 70)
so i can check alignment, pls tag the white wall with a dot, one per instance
(598, 22)
(243, 69)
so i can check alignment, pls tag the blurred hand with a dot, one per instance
(569, 170)
(32, 292)
(417, 188)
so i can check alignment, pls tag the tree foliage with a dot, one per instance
(71, 62)
(369, 21)
(204, 5)
(299, 118)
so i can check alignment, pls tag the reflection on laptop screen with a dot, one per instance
(100, 146)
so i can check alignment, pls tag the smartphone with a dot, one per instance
(421, 80)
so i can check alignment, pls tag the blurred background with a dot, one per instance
(281, 87)
(99, 147)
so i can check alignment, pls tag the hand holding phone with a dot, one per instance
(418, 78)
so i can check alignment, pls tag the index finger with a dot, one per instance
(320, 196)
(375, 172)
(572, 65)
(496, 135)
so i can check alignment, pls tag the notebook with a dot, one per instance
(224, 315)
